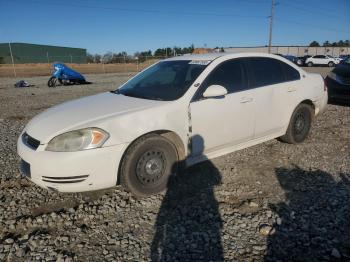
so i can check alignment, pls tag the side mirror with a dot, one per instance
(215, 91)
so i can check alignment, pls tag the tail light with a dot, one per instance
(324, 85)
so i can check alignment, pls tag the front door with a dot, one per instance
(222, 121)
(320, 60)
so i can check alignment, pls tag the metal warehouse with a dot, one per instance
(32, 53)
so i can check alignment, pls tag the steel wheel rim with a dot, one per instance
(299, 123)
(150, 167)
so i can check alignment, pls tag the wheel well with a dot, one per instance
(310, 103)
(170, 135)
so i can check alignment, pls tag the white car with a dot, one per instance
(322, 60)
(178, 112)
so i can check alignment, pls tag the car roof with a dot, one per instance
(231, 55)
(213, 56)
(201, 57)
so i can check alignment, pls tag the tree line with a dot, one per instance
(124, 57)
(340, 43)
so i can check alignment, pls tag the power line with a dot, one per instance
(193, 13)
(136, 10)
(325, 14)
(321, 28)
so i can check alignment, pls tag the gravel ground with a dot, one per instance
(270, 202)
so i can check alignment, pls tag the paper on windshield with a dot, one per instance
(200, 62)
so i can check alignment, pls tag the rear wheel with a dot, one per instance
(330, 64)
(147, 165)
(310, 64)
(299, 125)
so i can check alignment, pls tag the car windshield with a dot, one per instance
(167, 80)
(347, 60)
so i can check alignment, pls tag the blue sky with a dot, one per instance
(137, 25)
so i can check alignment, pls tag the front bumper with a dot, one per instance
(80, 171)
(337, 90)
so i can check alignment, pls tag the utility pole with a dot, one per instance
(125, 68)
(48, 61)
(12, 60)
(271, 23)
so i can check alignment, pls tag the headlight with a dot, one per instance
(78, 140)
(335, 77)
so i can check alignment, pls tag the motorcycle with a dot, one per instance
(64, 75)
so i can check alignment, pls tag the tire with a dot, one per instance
(310, 64)
(299, 62)
(147, 165)
(52, 82)
(299, 125)
(330, 64)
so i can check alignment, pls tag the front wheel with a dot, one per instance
(310, 64)
(299, 125)
(147, 165)
(52, 81)
(330, 64)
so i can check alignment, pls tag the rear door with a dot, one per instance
(320, 59)
(275, 94)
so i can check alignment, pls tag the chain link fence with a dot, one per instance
(104, 65)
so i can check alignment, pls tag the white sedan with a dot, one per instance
(326, 60)
(176, 113)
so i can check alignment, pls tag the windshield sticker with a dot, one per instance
(200, 62)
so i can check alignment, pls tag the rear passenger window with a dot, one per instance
(266, 71)
(290, 73)
(229, 74)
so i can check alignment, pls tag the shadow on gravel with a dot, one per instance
(315, 219)
(188, 225)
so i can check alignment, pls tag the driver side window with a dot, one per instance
(229, 74)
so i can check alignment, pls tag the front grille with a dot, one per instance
(25, 168)
(65, 180)
(30, 141)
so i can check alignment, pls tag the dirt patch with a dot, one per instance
(16, 117)
(29, 70)
(47, 208)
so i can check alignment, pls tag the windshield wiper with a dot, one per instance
(144, 97)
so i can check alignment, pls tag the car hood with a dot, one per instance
(83, 112)
(342, 70)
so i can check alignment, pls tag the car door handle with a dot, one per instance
(246, 100)
(292, 89)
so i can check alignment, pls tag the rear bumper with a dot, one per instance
(321, 103)
(71, 171)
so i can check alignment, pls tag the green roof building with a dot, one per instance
(24, 53)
